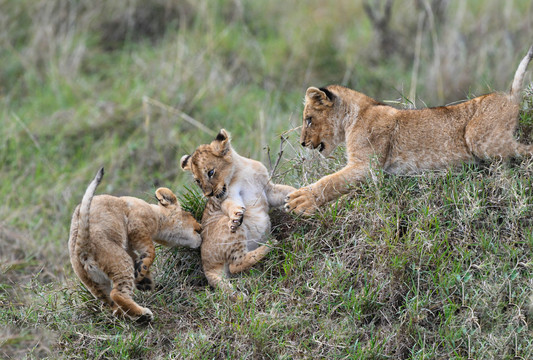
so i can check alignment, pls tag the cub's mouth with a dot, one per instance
(321, 146)
(222, 193)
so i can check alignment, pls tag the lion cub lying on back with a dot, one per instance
(403, 141)
(111, 248)
(235, 221)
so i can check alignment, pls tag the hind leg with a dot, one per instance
(94, 279)
(100, 291)
(119, 268)
(121, 296)
(243, 261)
(490, 134)
(498, 145)
(217, 277)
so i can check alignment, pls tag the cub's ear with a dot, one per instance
(319, 96)
(221, 144)
(185, 162)
(166, 197)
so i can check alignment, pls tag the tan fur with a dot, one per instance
(111, 243)
(403, 141)
(235, 221)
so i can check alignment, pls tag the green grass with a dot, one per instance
(431, 266)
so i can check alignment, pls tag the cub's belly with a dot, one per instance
(256, 223)
(412, 154)
(410, 163)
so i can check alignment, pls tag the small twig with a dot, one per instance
(280, 155)
(28, 132)
(96, 337)
(291, 130)
(268, 156)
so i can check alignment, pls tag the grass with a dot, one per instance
(430, 266)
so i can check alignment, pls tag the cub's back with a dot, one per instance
(108, 219)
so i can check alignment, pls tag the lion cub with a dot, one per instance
(111, 248)
(235, 221)
(403, 141)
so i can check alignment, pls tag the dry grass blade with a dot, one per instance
(186, 117)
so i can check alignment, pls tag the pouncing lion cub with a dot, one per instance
(235, 221)
(403, 141)
(111, 247)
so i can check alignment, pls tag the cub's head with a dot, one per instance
(178, 226)
(212, 165)
(318, 130)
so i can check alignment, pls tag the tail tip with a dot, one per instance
(530, 52)
(100, 174)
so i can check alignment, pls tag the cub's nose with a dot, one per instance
(303, 143)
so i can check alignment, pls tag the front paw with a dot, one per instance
(301, 201)
(235, 219)
(146, 284)
(139, 270)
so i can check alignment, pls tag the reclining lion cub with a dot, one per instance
(235, 221)
(403, 141)
(111, 248)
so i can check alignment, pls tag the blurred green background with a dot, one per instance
(85, 84)
(133, 85)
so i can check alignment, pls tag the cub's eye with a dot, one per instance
(308, 121)
(210, 173)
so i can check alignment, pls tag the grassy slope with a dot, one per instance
(428, 267)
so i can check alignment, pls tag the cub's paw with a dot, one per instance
(235, 219)
(146, 284)
(146, 316)
(140, 269)
(301, 201)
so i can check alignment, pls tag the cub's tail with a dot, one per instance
(516, 88)
(85, 207)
